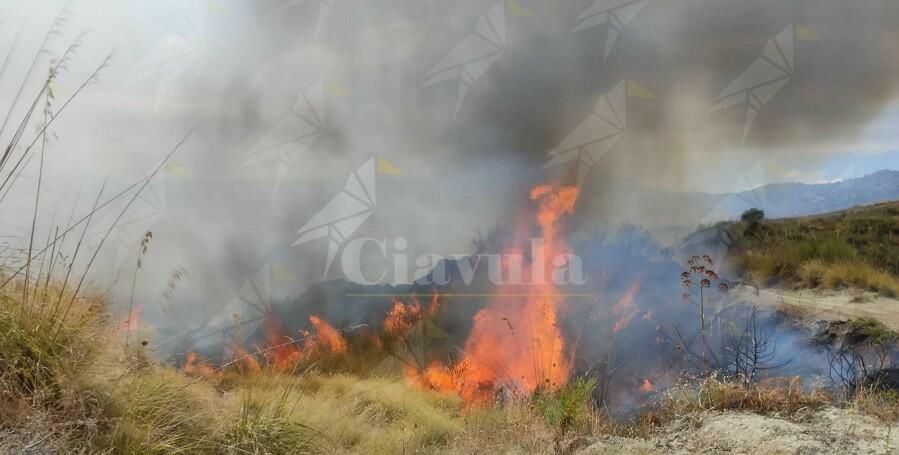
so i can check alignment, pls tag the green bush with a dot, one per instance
(568, 407)
(873, 331)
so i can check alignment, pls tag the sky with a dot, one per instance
(462, 106)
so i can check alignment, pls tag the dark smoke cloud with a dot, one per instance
(470, 172)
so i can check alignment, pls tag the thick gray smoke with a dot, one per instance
(523, 76)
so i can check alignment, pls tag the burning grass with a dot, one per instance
(515, 346)
(85, 390)
(125, 402)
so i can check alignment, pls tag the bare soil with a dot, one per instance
(828, 431)
(825, 305)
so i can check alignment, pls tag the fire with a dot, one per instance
(435, 376)
(195, 365)
(515, 345)
(625, 309)
(401, 318)
(243, 360)
(327, 339)
(646, 387)
(284, 352)
(132, 324)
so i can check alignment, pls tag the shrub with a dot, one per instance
(752, 215)
(752, 218)
(567, 407)
(872, 331)
(811, 274)
(152, 409)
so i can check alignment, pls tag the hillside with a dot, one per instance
(854, 248)
(670, 215)
(799, 199)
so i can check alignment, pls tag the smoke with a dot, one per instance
(232, 72)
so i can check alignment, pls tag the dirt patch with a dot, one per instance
(829, 430)
(825, 305)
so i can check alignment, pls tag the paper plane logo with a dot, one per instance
(614, 13)
(342, 215)
(474, 55)
(766, 76)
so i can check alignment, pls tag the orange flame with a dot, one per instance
(402, 318)
(326, 340)
(132, 324)
(646, 387)
(284, 352)
(243, 360)
(435, 376)
(625, 308)
(195, 365)
(515, 345)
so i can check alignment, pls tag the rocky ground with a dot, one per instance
(826, 431)
(830, 430)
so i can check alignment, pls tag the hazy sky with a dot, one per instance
(338, 83)
(162, 46)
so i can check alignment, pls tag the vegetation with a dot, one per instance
(72, 382)
(872, 332)
(700, 276)
(883, 404)
(567, 408)
(781, 396)
(854, 248)
(752, 218)
(84, 389)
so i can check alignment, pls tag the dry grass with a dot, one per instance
(125, 402)
(849, 249)
(515, 428)
(784, 397)
(149, 408)
(350, 414)
(40, 353)
(817, 274)
(881, 404)
(65, 394)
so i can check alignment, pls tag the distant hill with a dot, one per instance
(785, 200)
(670, 216)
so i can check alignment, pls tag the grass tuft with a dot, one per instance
(780, 396)
(568, 407)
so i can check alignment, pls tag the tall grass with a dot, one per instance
(779, 396)
(831, 252)
(37, 361)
